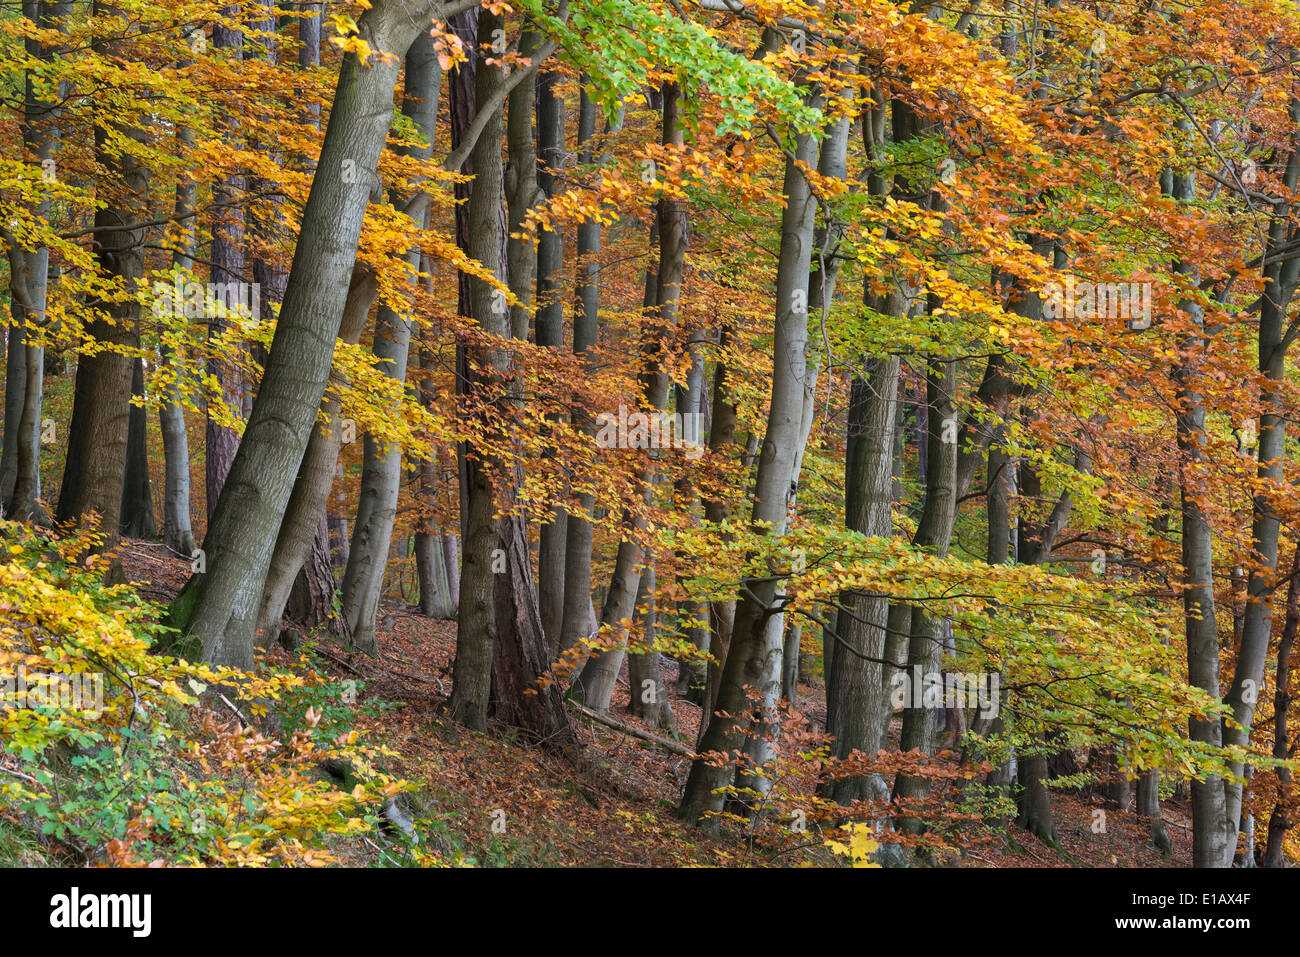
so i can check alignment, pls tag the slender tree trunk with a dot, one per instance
(575, 624)
(690, 405)
(500, 647)
(1257, 627)
(1280, 821)
(1214, 833)
(722, 613)
(227, 268)
(551, 563)
(15, 390)
(20, 470)
(661, 306)
(925, 648)
(137, 519)
(750, 657)
(178, 531)
(648, 696)
(472, 677)
(600, 673)
(381, 479)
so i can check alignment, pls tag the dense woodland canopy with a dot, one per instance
(875, 416)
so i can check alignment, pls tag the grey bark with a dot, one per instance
(1273, 343)
(20, 473)
(96, 459)
(219, 609)
(661, 306)
(648, 696)
(300, 528)
(551, 563)
(1214, 833)
(227, 254)
(137, 519)
(381, 477)
(577, 546)
(750, 656)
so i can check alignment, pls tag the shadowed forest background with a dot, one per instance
(636, 433)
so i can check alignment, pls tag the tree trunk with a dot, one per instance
(1257, 627)
(577, 545)
(101, 409)
(220, 609)
(1280, 820)
(20, 468)
(751, 657)
(551, 563)
(137, 519)
(857, 700)
(925, 648)
(1214, 832)
(299, 534)
(648, 696)
(381, 478)
(475, 630)
(222, 442)
(660, 308)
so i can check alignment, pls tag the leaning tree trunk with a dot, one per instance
(600, 673)
(299, 536)
(219, 609)
(661, 305)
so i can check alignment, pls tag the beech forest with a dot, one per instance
(649, 433)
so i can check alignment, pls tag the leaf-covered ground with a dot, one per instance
(490, 799)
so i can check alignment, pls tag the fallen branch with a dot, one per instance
(664, 743)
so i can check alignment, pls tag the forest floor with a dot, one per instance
(492, 800)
